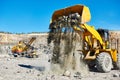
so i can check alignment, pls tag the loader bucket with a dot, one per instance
(81, 9)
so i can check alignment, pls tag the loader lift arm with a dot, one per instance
(89, 31)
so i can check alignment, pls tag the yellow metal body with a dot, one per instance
(90, 35)
(21, 46)
(93, 39)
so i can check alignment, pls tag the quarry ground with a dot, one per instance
(39, 69)
(23, 68)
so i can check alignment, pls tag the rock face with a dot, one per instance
(7, 41)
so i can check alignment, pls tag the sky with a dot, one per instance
(19, 16)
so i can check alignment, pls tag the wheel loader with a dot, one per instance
(96, 46)
(24, 49)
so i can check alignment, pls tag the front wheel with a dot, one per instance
(104, 62)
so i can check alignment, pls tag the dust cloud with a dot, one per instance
(66, 51)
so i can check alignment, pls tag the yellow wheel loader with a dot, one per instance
(24, 49)
(96, 46)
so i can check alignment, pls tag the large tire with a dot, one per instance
(118, 61)
(91, 64)
(104, 62)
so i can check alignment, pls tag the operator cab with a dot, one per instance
(104, 33)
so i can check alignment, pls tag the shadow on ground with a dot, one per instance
(93, 69)
(42, 68)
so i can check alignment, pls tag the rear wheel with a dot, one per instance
(91, 64)
(117, 64)
(104, 62)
